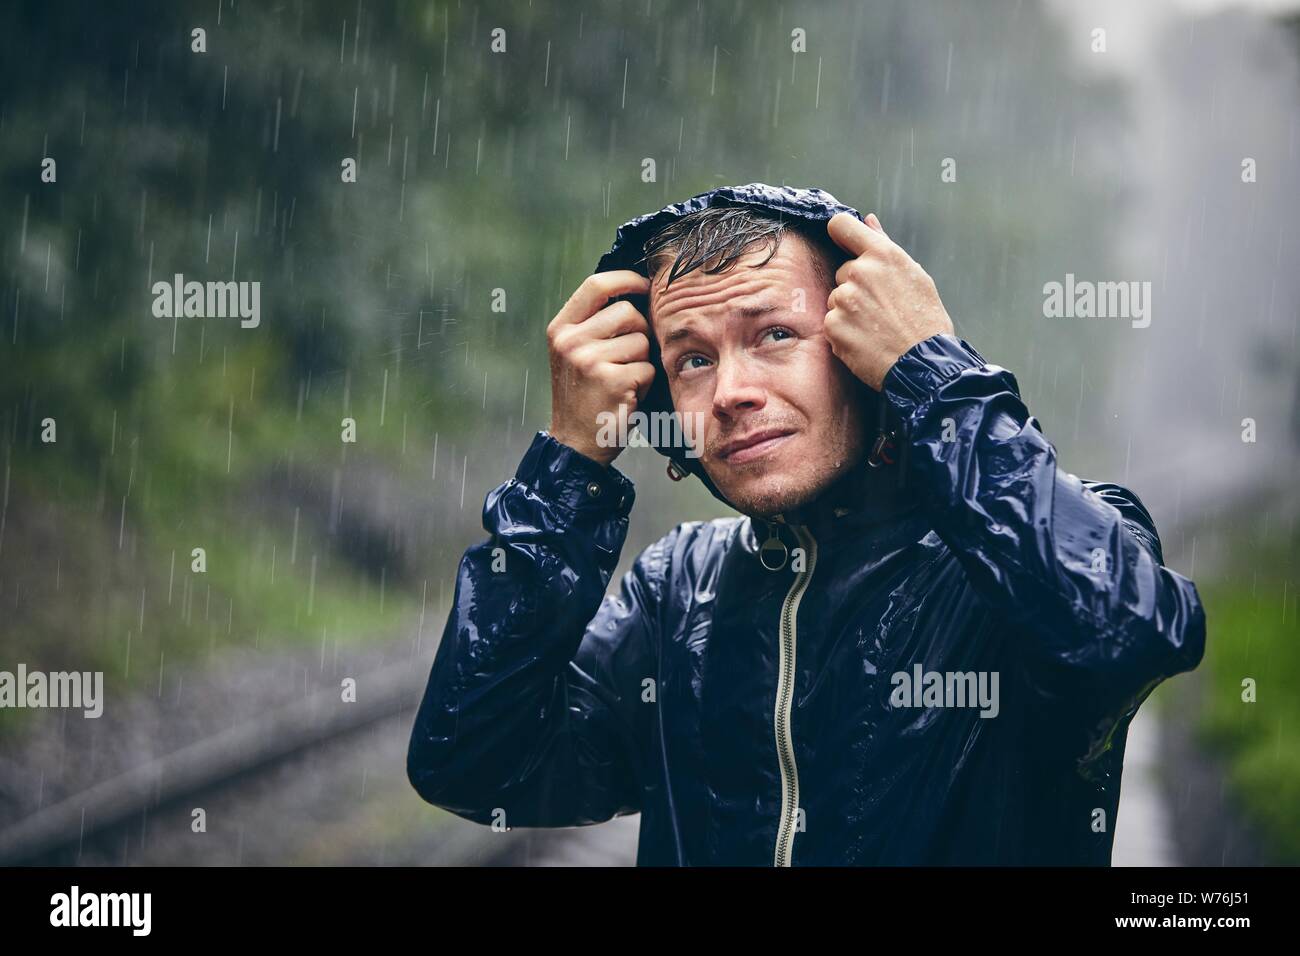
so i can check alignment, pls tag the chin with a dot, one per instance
(782, 486)
(768, 495)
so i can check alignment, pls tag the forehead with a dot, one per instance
(742, 287)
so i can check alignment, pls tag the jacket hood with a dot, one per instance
(787, 202)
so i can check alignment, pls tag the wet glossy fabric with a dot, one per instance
(551, 703)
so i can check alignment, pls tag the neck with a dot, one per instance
(861, 496)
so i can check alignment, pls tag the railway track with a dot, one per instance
(247, 748)
(253, 750)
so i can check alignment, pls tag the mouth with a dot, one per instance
(753, 447)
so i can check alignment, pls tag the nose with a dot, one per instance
(738, 387)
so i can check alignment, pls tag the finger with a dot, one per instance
(634, 376)
(857, 275)
(596, 291)
(643, 376)
(874, 222)
(832, 324)
(853, 235)
(633, 347)
(618, 318)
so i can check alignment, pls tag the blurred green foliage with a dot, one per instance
(1254, 626)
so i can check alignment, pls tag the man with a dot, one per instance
(921, 644)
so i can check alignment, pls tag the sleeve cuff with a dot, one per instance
(922, 369)
(558, 473)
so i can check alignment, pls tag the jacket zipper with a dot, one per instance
(784, 698)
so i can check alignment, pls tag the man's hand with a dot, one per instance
(883, 302)
(600, 359)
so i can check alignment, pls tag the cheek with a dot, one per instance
(799, 372)
(837, 399)
(691, 395)
(842, 396)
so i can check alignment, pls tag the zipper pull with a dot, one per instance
(773, 552)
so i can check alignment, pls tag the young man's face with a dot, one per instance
(783, 416)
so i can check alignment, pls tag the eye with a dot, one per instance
(688, 362)
(779, 332)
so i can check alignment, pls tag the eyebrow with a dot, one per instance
(745, 311)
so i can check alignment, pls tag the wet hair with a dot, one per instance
(714, 239)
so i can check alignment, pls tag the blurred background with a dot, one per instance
(493, 168)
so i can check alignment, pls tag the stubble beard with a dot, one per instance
(805, 482)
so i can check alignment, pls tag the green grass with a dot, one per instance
(1253, 634)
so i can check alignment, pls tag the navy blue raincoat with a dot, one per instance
(935, 662)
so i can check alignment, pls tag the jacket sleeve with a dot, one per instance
(1076, 565)
(529, 713)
